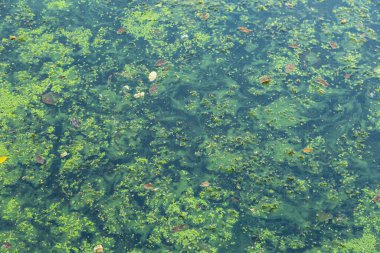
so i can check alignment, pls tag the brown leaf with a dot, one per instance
(179, 228)
(308, 150)
(205, 184)
(39, 159)
(333, 45)
(265, 79)
(160, 63)
(347, 76)
(244, 29)
(121, 30)
(377, 197)
(294, 46)
(148, 186)
(322, 82)
(205, 16)
(289, 68)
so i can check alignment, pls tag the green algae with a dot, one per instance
(211, 119)
(279, 114)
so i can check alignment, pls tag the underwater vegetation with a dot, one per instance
(189, 126)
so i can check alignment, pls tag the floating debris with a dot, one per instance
(205, 184)
(244, 29)
(307, 150)
(50, 98)
(376, 199)
(63, 154)
(148, 186)
(333, 45)
(294, 46)
(179, 228)
(39, 159)
(347, 76)
(109, 79)
(289, 5)
(377, 71)
(153, 89)
(184, 36)
(160, 63)
(152, 76)
(98, 249)
(75, 122)
(6, 245)
(126, 88)
(289, 68)
(139, 95)
(204, 16)
(323, 216)
(3, 159)
(12, 37)
(322, 82)
(265, 79)
(343, 21)
(121, 30)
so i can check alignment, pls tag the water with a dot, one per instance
(260, 133)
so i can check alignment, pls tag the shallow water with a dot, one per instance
(259, 134)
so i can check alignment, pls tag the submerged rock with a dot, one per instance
(50, 98)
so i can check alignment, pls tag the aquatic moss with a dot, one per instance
(144, 24)
(39, 45)
(211, 117)
(366, 243)
(279, 114)
(57, 5)
(79, 37)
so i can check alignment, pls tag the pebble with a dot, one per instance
(152, 76)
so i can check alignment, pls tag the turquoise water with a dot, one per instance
(189, 126)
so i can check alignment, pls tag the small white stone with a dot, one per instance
(152, 76)
(98, 249)
(139, 95)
